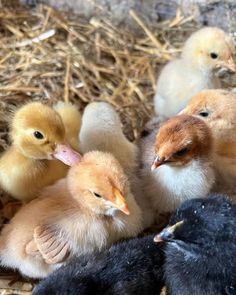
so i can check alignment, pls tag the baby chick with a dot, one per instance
(218, 109)
(132, 267)
(181, 163)
(85, 212)
(200, 247)
(72, 121)
(38, 138)
(102, 130)
(182, 78)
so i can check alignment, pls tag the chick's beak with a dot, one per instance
(229, 64)
(66, 154)
(120, 202)
(156, 163)
(167, 233)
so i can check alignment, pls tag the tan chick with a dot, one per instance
(218, 109)
(180, 79)
(72, 121)
(38, 139)
(101, 130)
(181, 163)
(83, 213)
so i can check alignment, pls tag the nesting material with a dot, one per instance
(49, 56)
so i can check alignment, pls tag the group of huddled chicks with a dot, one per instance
(85, 186)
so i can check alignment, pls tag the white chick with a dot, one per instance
(101, 130)
(182, 166)
(182, 78)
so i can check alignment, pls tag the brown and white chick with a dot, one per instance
(38, 139)
(218, 109)
(180, 79)
(71, 118)
(182, 167)
(85, 212)
(101, 130)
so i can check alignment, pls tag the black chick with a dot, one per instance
(200, 252)
(131, 267)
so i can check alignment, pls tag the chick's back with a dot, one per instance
(132, 267)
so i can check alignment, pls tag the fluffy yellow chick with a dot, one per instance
(182, 78)
(85, 212)
(181, 163)
(218, 109)
(38, 138)
(72, 121)
(101, 130)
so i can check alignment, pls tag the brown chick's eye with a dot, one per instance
(204, 114)
(38, 135)
(181, 153)
(97, 195)
(214, 55)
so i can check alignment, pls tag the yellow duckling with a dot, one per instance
(38, 138)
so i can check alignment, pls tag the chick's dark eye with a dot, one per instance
(214, 55)
(204, 114)
(38, 135)
(181, 153)
(97, 195)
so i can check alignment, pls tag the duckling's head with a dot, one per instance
(180, 140)
(209, 48)
(99, 183)
(37, 131)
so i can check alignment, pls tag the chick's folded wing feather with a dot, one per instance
(50, 243)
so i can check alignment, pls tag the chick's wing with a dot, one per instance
(49, 242)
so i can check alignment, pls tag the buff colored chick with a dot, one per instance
(218, 109)
(85, 212)
(182, 78)
(181, 166)
(72, 121)
(38, 138)
(101, 130)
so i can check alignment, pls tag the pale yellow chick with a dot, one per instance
(38, 139)
(180, 79)
(83, 213)
(218, 109)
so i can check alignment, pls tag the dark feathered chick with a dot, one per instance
(201, 247)
(132, 267)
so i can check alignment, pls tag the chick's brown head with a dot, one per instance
(98, 182)
(36, 130)
(180, 140)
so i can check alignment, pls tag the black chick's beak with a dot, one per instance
(167, 233)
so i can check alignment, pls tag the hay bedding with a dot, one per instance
(48, 56)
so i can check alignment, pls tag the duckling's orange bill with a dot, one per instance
(120, 202)
(66, 154)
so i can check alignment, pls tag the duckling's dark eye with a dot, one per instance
(181, 153)
(214, 55)
(97, 195)
(38, 135)
(204, 114)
